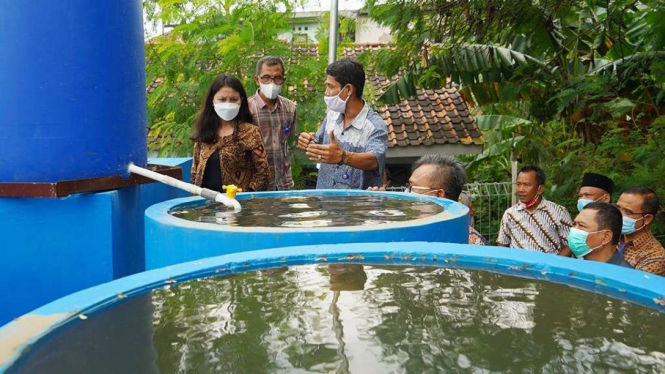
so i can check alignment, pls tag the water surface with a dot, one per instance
(312, 211)
(350, 318)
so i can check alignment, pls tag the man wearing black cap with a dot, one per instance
(595, 187)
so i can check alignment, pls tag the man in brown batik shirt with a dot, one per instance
(639, 206)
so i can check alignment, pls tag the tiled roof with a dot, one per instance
(153, 85)
(433, 117)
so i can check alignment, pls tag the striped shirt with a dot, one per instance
(367, 133)
(545, 229)
(276, 127)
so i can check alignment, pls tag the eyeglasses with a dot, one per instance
(419, 190)
(267, 79)
(627, 212)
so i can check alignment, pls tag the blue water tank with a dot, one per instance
(22, 339)
(72, 101)
(170, 240)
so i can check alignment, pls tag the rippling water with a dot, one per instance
(312, 211)
(349, 318)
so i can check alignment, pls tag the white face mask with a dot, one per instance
(271, 90)
(227, 111)
(335, 103)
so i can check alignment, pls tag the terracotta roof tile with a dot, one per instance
(432, 117)
(153, 85)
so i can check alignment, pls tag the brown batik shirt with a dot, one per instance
(545, 229)
(242, 159)
(277, 126)
(645, 253)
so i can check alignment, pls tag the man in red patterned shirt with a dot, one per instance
(275, 115)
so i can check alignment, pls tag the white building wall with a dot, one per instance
(369, 31)
(308, 28)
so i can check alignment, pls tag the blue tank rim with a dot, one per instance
(610, 280)
(160, 212)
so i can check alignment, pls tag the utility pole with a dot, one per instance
(513, 174)
(332, 43)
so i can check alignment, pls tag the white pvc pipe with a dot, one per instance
(196, 190)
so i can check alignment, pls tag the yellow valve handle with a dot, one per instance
(231, 190)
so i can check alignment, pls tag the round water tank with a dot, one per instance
(171, 240)
(413, 305)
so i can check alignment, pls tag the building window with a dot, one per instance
(299, 28)
(306, 28)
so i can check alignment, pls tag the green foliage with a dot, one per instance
(211, 37)
(575, 56)
(572, 86)
(208, 38)
(512, 136)
(630, 157)
(346, 30)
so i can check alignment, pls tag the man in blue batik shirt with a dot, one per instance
(352, 140)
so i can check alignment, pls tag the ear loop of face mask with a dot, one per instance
(410, 191)
(633, 222)
(591, 251)
(581, 203)
(601, 243)
(534, 201)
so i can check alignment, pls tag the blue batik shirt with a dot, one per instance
(367, 133)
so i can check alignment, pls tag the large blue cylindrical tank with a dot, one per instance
(31, 330)
(170, 240)
(73, 89)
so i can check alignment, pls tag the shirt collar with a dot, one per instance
(263, 104)
(541, 205)
(359, 120)
(641, 238)
(616, 258)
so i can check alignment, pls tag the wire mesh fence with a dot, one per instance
(490, 200)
